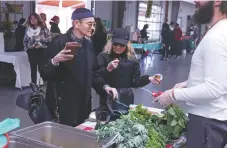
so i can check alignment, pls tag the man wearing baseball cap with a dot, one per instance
(69, 71)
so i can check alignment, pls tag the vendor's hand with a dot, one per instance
(111, 90)
(63, 56)
(181, 85)
(153, 80)
(165, 99)
(112, 65)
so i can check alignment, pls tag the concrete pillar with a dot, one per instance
(118, 9)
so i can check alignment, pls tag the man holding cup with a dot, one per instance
(71, 71)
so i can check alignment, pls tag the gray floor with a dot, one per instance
(173, 70)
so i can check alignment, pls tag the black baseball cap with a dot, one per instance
(121, 36)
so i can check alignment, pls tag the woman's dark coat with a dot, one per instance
(126, 76)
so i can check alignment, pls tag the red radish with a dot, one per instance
(169, 146)
(156, 94)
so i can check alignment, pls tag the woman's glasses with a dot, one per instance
(118, 44)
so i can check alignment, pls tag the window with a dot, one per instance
(154, 22)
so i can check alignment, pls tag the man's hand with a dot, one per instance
(112, 65)
(113, 91)
(62, 56)
(165, 99)
(181, 85)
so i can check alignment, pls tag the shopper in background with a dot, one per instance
(36, 40)
(143, 33)
(204, 94)
(177, 40)
(44, 19)
(71, 71)
(167, 40)
(165, 28)
(99, 38)
(19, 34)
(120, 68)
(54, 25)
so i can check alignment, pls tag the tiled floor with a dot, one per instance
(174, 70)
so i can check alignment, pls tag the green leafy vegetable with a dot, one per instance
(142, 129)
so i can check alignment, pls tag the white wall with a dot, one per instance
(185, 10)
(27, 9)
(130, 14)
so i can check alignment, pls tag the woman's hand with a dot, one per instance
(112, 65)
(62, 56)
(156, 79)
(153, 80)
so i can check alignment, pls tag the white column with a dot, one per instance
(87, 4)
(60, 4)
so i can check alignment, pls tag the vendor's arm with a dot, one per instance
(137, 79)
(215, 74)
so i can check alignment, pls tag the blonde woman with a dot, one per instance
(120, 69)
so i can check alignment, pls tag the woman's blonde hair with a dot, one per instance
(129, 49)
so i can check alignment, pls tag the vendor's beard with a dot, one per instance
(204, 14)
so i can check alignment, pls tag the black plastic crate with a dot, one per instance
(7, 75)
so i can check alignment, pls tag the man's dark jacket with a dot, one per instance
(72, 80)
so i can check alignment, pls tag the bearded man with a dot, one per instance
(204, 94)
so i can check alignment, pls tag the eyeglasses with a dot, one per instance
(90, 24)
(118, 44)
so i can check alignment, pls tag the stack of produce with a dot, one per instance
(140, 128)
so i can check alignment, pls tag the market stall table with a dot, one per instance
(137, 121)
(21, 67)
(150, 47)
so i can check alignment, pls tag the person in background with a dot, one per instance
(99, 38)
(190, 30)
(165, 27)
(177, 40)
(19, 34)
(54, 29)
(167, 40)
(70, 72)
(44, 19)
(120, 68)
(171, 51)
(36, 40)
(204, 94)
(143, 33)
